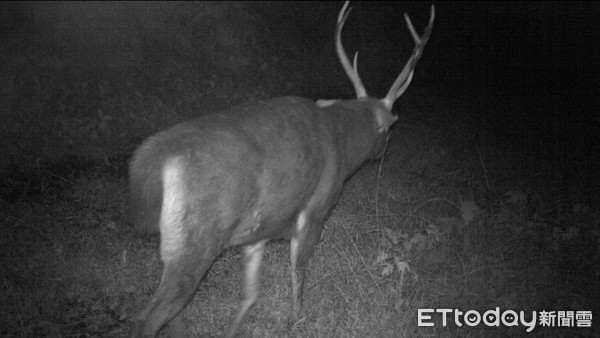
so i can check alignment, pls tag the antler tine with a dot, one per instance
(406, 74)
(351, 71)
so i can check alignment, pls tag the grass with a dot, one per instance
(428, 227)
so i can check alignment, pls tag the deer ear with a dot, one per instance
(385, 119)
(322, 103)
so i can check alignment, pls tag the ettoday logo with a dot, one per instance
(474, 318)
(495, 317)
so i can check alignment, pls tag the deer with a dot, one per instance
(255, 172)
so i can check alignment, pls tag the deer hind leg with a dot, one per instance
(252, 260)
(308, 233)
(180, 278)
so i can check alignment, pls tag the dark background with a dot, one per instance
(534, 64)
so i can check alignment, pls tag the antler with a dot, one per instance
(406, 75)
(407, 72)
(351, 71)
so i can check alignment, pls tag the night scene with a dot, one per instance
(300, 169)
